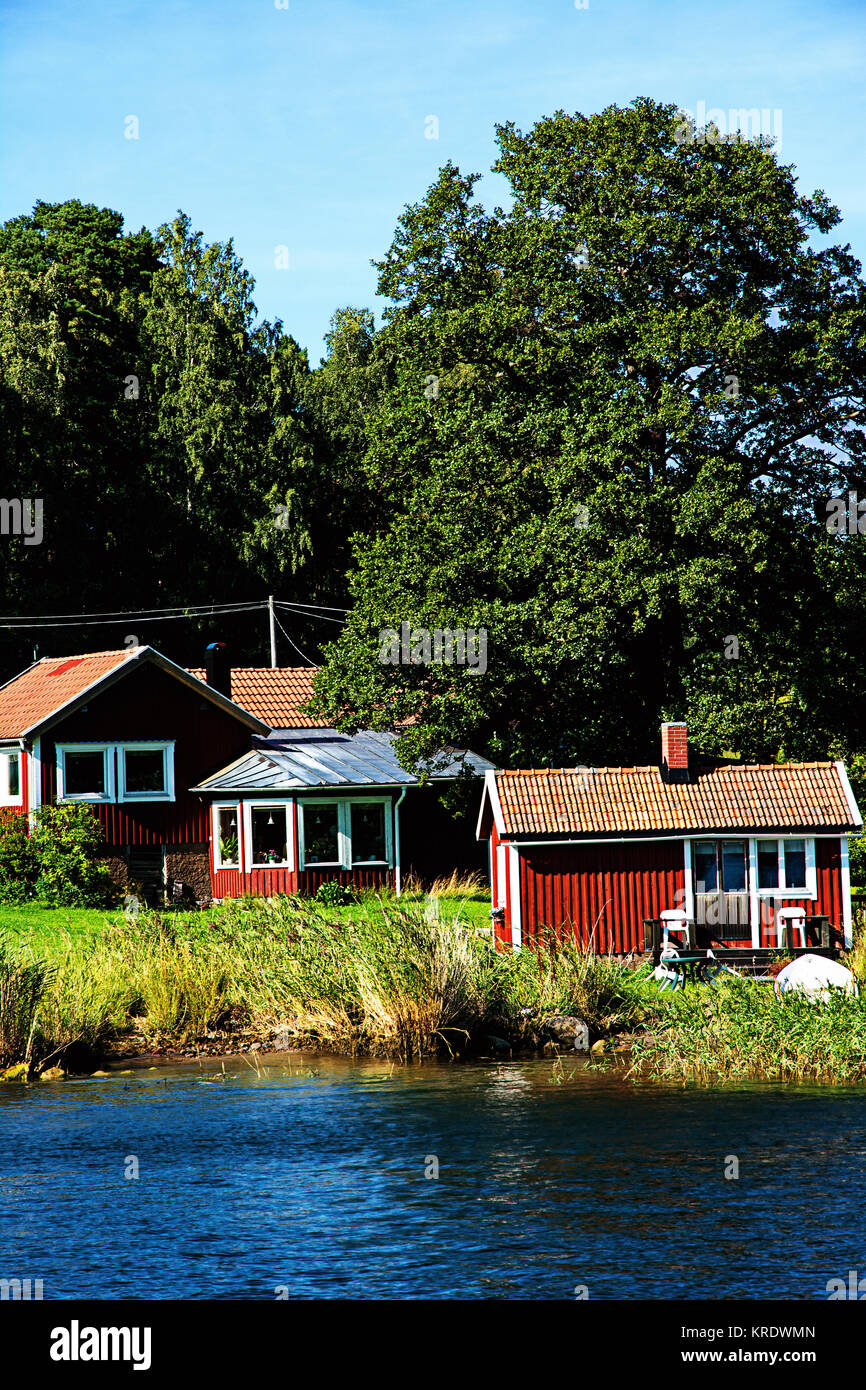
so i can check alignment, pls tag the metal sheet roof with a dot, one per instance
(291, 759)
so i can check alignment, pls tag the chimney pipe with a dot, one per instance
(218, 670)
(675, 752)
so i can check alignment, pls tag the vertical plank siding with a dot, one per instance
(599, 894)
(265, 883)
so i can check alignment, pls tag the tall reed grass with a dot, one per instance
(741, 1029)
(391, 978)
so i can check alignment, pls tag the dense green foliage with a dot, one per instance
(171, 435)
(56, 863)
(602, 424)
(647, 384)
(19, 868)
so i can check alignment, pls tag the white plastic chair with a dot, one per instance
(797, 917)
(674, 920)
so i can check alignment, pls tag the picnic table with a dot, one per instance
(686, 967)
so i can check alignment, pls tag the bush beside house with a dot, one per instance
(55, 863)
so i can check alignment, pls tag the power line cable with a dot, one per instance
(183, 609)
(41, 626)
(317, 617)
(294, 644)
(322, 607)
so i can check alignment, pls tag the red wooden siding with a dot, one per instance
(602, 891)
(149, 704)
(231, 883)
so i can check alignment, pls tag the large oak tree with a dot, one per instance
(611, 417)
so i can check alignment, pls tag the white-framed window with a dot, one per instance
(142, 770)
(268, 834)
(786, 867)
(227, 826)
(145, 771)
(10, 777)
(85, 772)
(345, 833)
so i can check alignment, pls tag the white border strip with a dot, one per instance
(849, 795)
(514, 879)
(847, 925)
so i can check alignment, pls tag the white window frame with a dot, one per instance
(268, 804)
(215, 824)
(164, 746)
(6, 755)
(108, 777)
(346, 860)
(807, 893)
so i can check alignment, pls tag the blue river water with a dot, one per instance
(317, 1179)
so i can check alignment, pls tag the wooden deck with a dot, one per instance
(821, 940)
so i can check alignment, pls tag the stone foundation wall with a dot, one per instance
(117, 867)
(189, 865)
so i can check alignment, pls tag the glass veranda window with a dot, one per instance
(368, 833)
(706, 868)
(270, 835)
(321, 834)
(229, 841)
(734, 866)
(768, 863)
(795, 863)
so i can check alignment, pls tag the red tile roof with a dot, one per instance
(51, 683)
(631, 800)
(274, 695)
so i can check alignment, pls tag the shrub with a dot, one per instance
(19, 865)
(334, 894)
(65, 839)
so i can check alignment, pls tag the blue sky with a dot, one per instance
(304, 126)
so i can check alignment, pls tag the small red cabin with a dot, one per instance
(596, 852)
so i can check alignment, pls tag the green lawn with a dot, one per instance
(48, 930)
(45, 928)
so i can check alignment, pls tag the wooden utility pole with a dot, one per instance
(273, 630)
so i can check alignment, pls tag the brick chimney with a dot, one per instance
(675, 753)
(218, 668)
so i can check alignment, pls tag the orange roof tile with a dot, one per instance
(50, 684)
(274, 695)
(632, 800)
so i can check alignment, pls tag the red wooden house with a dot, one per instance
(221, 795)
(130, 733)
(599, 851)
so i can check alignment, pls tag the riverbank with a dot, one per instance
(408, 979)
